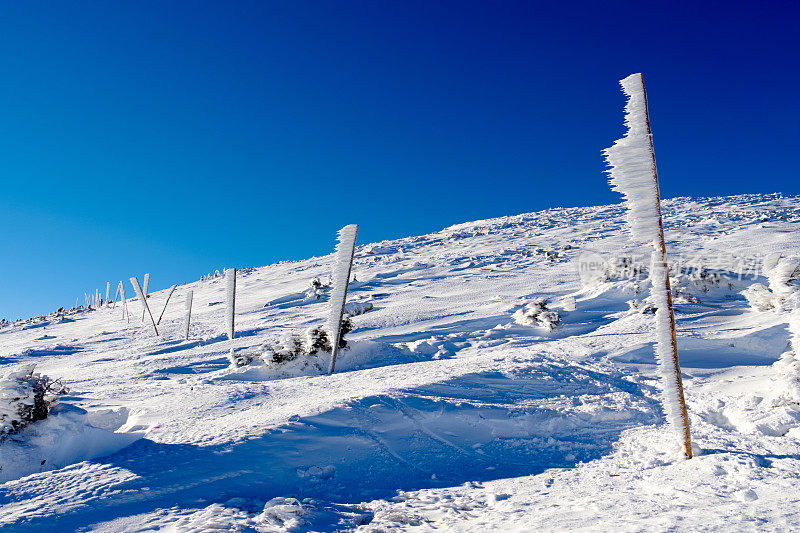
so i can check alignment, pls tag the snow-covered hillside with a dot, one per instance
(461, 403)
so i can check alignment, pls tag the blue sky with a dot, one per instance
(181, 137)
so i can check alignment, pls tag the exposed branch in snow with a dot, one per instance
(165, 304)
(343, 264)
(634, 175)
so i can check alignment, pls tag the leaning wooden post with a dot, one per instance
(145, 287)
(158, 322)
(145, 307)
(189, 296)
(116, 296)
(633, 173)
(343, 265)
(230, 301)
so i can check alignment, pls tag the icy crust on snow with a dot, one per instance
(631, 165)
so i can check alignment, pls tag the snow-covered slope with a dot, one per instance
(455, 407)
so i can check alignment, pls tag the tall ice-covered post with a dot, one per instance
(633, 173)
(343, 265)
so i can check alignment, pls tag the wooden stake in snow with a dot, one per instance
(145, 307)
(189, 296)
(343, 265)
(144, 289)
(230, 301)
(158, 322)
(633, 173)
(120, 294)
(108, 292)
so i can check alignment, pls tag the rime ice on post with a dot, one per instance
(230, 300)
(343, 264)
(189, 296)
(120, 294)
(165, 304)
(145, 286)
(145, 307)
(633, 174)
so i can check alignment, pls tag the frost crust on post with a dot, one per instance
(230, 301)
(633, 174)
(189, 296)
(342, 266)
(145, 307)
(144, 288)
(663, 348)
(630, 162)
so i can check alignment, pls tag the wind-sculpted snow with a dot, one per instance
(481, 421)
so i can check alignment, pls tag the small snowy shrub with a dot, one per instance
(288, 348)
(641, 306)
(317, 289)
(26, 397)
(357, 308)
(240, 359)
(308, 347)
(624, 268)
(537, 314)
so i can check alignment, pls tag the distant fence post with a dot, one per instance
(189, 296)
(145, 307)
(144, 290)
(230, 301)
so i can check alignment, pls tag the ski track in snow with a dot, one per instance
(445, 413)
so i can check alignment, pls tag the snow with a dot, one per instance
(445, 413)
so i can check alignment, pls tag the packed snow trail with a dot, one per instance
(480, 421)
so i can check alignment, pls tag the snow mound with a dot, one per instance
(65, 437)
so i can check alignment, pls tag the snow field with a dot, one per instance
(479, 421)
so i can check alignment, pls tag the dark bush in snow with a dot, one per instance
(26, 397)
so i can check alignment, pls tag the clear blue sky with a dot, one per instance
(181, 137)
